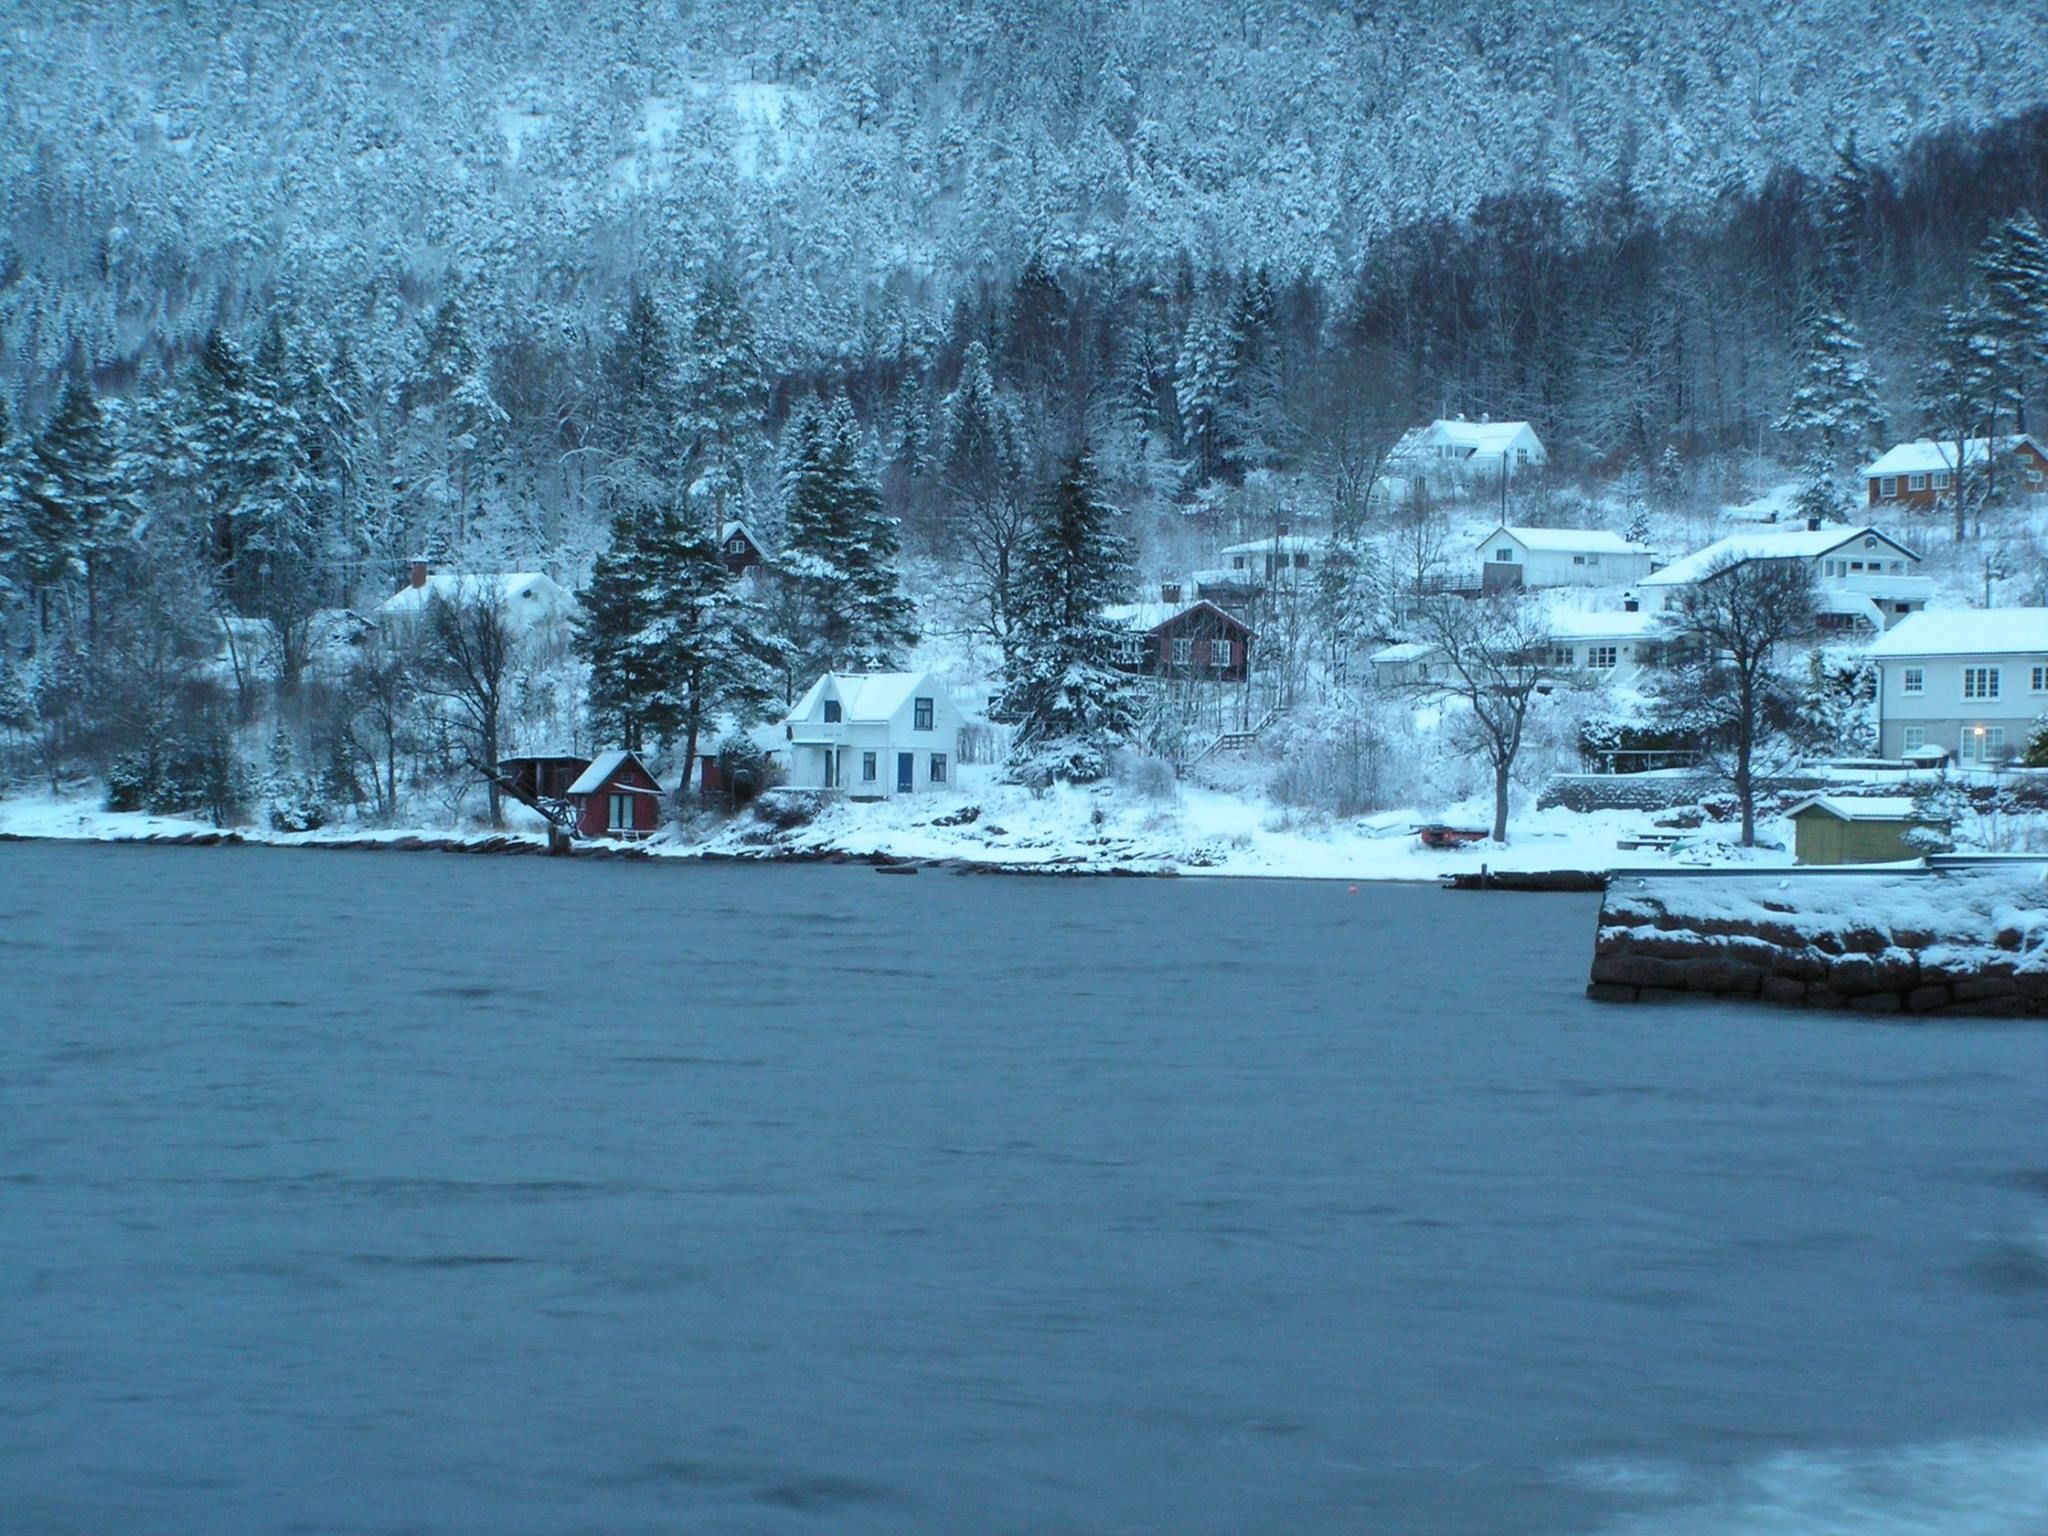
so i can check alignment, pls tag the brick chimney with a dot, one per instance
(1630, 603)
(1813, 525)
(416, 573)
(1169, 592)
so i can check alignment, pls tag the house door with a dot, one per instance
(904, 762)
(831, 767)
(622, 813)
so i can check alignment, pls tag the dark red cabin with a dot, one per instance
(616, 797)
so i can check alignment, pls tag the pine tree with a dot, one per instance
(626, 699)
(845, 610)
(1635, 503)
(1071, 705)
(1202, 390)
(15, 562)
(1820, 498)
(1255, 429)
(1667, 484)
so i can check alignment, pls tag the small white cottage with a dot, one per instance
(874, 734)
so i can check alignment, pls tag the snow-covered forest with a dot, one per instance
(291, 295)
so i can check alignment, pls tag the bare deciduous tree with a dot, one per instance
(470, 666)
(1743, 615)
(1492, 655)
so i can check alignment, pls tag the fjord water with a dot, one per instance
(374, 1192)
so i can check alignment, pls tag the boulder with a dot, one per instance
(1926, 999)
(1783, 989)
(1639, 971)
(1723, 975)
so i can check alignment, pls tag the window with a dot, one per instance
(1183, 651)
(1984, 743)
(1913, 680)
(1578, 559)
(736, 546)
(921, 715)
(1130, 649)
(1219, 653)
(2038, 680)
(1601, 657)
(1561, 655)
(1504, 555)
(867, 767)
(832, 712)
(2033, 477)
(1888, 485)
(1868, 542)
(1914, 739)
(1521, 455)
(1941, 479)
(1301, 562)
(1916, 482)
(938, 767)
(1237, 562)
(1980, 682)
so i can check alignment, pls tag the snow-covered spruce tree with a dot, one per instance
(1202, 385)
(1833, 405)
(2013, 266)
(724, 390)
(75, 508)
(638, 426)
(1635, 501)
(1061, 688)
(613, 633)
(1958, 396)
(842, 606)
(1820, 497)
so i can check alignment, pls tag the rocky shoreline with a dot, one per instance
(1966, 941)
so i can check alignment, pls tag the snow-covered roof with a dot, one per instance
(524, 593)
(1773, 544)
(1583, 624)
(1569, 541)
(1480, 436)
(1863, 808)
(1406, 650)
(1280, 544)
(1143, 618)
(864, 696)
(735, 526)
(602, 767)
(1965, 632)
(1929, 456)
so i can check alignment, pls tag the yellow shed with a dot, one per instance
(1846, 829)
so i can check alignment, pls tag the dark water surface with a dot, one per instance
(380, 1193)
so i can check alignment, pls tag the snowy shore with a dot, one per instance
(1008, 829)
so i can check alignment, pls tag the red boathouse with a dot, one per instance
(616, 797)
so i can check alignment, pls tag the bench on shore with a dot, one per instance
(1662, 841)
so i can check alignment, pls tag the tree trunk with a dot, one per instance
(1745, 750)
(1500, 802)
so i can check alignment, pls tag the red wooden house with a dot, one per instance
(1922, 473)
(1197, 641)
(616, 797)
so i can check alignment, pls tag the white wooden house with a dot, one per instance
(533, 601)
(874, 734)
(1455, 449)
(1971, 681)
(1862, 578)
(1559, 557)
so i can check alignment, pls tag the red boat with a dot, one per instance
(1438, 836)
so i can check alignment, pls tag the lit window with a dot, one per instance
(921, 715)
(1913, 680)
(1980, 682)
(1183, 651)
(1219, 653)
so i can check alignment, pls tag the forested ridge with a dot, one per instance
(289, 295)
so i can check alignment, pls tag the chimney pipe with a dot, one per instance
(1169, 592)
(1629, 603)
(416, 573)
(1813, 525)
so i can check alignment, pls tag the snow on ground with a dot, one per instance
(1080, 830)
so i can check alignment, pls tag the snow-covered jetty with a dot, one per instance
(1961, 939)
